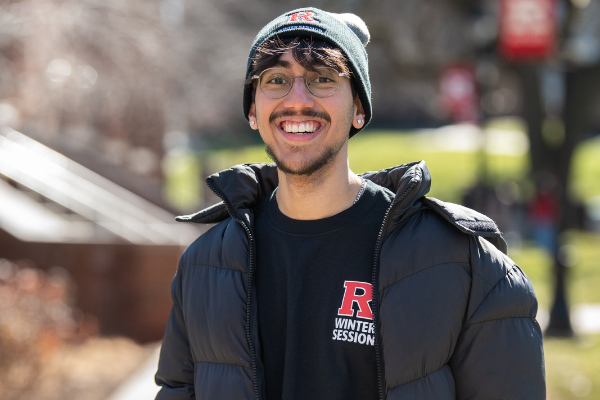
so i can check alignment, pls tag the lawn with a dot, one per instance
(453, 159)
(573, 368)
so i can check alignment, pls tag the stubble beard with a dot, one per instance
(316, 165)
(309, 167)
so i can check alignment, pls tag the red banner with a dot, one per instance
(527, 29)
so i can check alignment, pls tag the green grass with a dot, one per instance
(573, 368)
(585, 176)
(583, 276)
(452, 172)
(585, 272)
(377, 150)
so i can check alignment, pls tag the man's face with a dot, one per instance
(304, 133)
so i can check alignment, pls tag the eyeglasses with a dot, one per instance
(275, 83)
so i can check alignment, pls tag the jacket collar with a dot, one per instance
(243, 187)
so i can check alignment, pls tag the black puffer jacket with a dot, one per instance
(455, 316)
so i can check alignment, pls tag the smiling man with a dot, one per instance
(318, 283)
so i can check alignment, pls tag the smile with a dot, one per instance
(300, 128)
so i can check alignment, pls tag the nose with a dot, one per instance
(299, 96)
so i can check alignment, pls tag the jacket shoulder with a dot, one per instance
(224, 245)
(468, 221)
(500, 289)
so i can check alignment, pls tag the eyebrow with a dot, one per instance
(283, 64)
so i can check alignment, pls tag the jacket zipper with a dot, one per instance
(375, 284)
(234, 215)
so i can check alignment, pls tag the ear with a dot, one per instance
(252, 117)
(358, 119)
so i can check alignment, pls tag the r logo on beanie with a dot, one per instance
(302, 16)
(348, 32)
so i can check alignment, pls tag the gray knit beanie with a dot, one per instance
(347, 32)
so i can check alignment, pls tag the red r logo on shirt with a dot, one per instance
(305, 16)
(362, 294)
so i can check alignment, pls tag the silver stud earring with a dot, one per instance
(360, 121)
(252, 122)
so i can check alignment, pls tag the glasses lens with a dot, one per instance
(275, 82)
(323, 82)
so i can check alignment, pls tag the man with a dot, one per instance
(317, 283)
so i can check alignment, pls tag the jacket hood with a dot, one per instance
(244, 186)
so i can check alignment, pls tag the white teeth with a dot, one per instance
(299, 127)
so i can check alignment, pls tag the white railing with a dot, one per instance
(86, 193)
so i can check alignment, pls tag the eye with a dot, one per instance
(323, 79)
(275, 78)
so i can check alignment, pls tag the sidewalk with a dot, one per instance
(584, 317)
(140, 386)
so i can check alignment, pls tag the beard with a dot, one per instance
(326, 156)
(309, 167)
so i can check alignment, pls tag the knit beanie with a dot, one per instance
(346, 32)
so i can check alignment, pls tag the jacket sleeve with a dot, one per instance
(175, 372)
(499, 352)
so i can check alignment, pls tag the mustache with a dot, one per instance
(303, 113)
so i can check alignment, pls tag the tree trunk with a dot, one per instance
(581, 86)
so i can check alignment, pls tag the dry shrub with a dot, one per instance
(36, 315)
(48, 349)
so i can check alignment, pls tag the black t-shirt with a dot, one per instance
(313, 284)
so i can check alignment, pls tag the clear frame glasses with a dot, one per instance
(276, 83)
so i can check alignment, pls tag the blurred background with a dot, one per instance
(112, 113)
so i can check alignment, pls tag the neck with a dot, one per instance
(325, 193)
